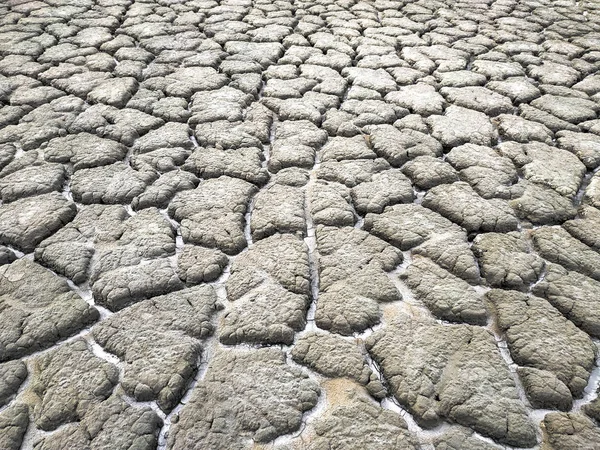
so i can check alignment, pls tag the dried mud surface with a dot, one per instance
(299, 224)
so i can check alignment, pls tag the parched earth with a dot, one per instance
(299, 224)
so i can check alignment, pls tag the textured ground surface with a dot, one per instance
(299, 224)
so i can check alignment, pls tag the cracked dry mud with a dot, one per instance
(299, 224)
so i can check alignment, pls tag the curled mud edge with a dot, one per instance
(587, 178)
(85, 292)
(248, 220)
(418, 194)
(590, 393)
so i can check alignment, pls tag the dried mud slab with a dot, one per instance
(459, 438)
(222, 201)
(116, 183)
(428, 234)
(269, 291)
(507, 260)
(67, 252)
(478, 98)
(336, 357)
(569, 431)
(243, 163)
(488, 173)
(351, 172)
(592, 193)
(12, 376)
(26, 222)
(295, 144)
(352, 420)
(330, 204)
(558, 246)
(544, 390)
(447, 378)
(14, 421)
(111, 423)
(399, 146)
(123, 286)
(212, 215)
(246, 395)
(348, 258)
(161, 191)
(278, 209)
(67, 382)
(540, 205)
(585, 146)
(342, 148)
(385, 188)
(462, 205)
(573, 294)
(159, 341)
(539, 336)
(592, 409)
(419, 98)
(30, 181)
(84, 151)
(518, 129)
(123, 125)
(133, 247)
(445, 295)
(198, 264)
(584, 225)
(37, 315)
(548, 166)
(426, 172)
(456, 127)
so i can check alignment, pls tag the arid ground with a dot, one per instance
(299, 224)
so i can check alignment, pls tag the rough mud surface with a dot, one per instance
(299, 224)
